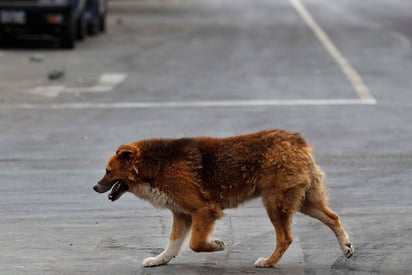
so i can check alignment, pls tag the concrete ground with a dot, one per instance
(338, 72)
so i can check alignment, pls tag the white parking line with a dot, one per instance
(47, 91)
(348, 70)
(105, 83)
(194, 104)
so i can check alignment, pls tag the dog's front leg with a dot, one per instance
(180, 228)
(203, 221)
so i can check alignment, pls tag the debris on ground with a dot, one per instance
(56, 74)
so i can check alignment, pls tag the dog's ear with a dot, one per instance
(126, 151)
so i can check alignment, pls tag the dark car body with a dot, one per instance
(65, 19)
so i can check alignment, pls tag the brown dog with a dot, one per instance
(196, 178)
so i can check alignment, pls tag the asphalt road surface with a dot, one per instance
(338, 72)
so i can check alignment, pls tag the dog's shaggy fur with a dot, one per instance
(196, 178)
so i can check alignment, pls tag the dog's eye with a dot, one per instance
(108, 172)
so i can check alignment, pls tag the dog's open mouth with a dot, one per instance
(119, 188)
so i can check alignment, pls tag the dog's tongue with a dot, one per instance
(115, 191)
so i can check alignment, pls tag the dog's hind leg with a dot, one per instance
(180, 229)
(316, 206)
(281, 220)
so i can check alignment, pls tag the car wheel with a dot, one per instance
(68, 38)
(94, 26)
(6, 36)
(102, 23)
(3, 37)
(81, 27)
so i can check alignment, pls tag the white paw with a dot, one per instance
(348, 250)
(154, 261)
(261, 262)
(220, 245)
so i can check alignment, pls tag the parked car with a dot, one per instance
(96, 11)
(64, 19)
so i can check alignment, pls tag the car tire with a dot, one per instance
(102, 23)
(2, 37)
(94, 27)
(68, 39)
(6, 36)
(81, 27)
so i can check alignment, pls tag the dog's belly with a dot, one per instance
(233, 194)
(232, 200)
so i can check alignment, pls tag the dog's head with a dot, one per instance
(121, 172)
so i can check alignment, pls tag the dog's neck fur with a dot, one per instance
(155, 196)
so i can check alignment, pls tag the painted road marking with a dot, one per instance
(348, 70)
(48, 91)
(194, 104)
(106, 83)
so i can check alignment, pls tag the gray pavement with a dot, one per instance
(55, 136)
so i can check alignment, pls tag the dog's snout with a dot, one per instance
(97, 188)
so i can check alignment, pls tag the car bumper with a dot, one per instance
(34, 20)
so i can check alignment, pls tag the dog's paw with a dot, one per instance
(262, 262)
(155, 261)
(348, 250)
(219, 245)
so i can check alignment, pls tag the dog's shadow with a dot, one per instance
(213, 268)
